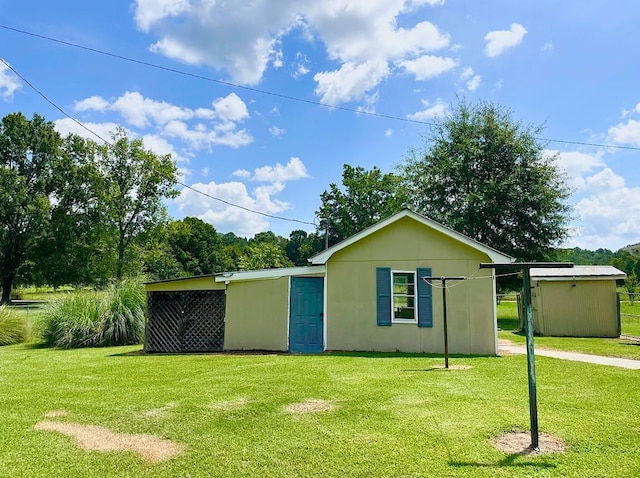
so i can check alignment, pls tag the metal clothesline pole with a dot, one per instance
(444, 310)
(526, 267)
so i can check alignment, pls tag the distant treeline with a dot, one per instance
(621, 259)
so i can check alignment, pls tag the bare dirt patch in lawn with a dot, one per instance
(519, 442)
(311, 406)
(96, 438)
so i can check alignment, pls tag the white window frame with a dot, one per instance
(415, 299)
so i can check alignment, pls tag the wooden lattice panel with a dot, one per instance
(185, 321)
(204, 321)
(164, 313)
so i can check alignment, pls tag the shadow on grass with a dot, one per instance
(376, 355)
(508, 461)
(36, 346)
(511, 324)
(452, 368)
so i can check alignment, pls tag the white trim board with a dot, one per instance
(227, 277)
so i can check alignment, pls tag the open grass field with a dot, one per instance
(332, 415)
(508, 323)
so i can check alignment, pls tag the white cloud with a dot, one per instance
(577, 165)
(350, 82)
(243, 37)
(604, 181)
(437, 110)
(161, 146)
(93, 103)
(230, 108)
(626, 133)
(149, 12)
(301, 66)
(607, 211)
(433, 3)
(292, 171)
(474, 83)
(388, 133)
(102, 130)
(498, 41)
(172, 121)
(466, 73)
(428, 66)
(547, 47)
(610, 217)
(226, 218)
(275, 131)
(140, 111)
(201, 137)
(9, 83)
(242, 173)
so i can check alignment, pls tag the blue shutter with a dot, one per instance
(383, 293)
(425, 302)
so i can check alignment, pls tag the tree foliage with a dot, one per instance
(31, 173)
(131, 186)
(302, 245)
(487, 176)
(366, 197)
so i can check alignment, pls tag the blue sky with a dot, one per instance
(570, 65)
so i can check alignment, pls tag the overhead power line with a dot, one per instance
(272, 93)
(214, 80)
(85, 127)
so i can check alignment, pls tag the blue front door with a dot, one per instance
(306, 315)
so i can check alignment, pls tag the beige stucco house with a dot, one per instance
(363, 294)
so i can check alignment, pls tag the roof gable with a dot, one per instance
(494, 255)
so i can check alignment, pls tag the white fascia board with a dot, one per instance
(495, 256)
(578, 272)
(227, 277)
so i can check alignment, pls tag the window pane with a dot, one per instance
(404, 295)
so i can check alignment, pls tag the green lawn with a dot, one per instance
(508, 323)
(394, 416)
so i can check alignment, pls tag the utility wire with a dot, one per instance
(52, 103)
(246, 208)
(271, 93)
(214, 80)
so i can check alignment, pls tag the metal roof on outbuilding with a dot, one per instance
(578, 273)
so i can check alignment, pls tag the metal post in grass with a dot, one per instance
(526, 267)
(444, 280)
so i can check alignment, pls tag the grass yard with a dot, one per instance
(380, 416)
(508, 323)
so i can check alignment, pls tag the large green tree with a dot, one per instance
(365, 198)
(486, 175)
(131, 185)
(302, 245)
(72, 249)
(32, 176)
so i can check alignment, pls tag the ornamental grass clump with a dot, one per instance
(123, 320)
(97, 319)
(13, 328)
(73, 320)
